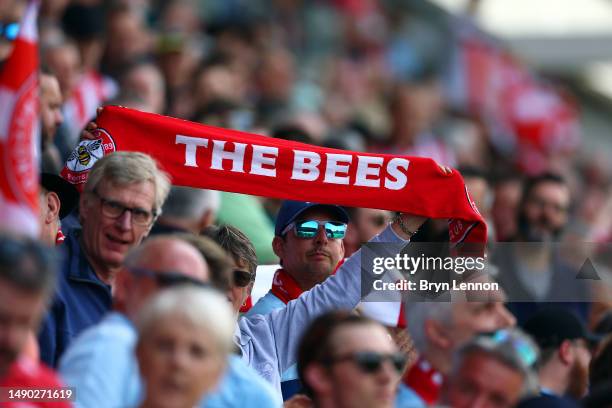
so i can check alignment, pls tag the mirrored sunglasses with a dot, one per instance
(307, 229)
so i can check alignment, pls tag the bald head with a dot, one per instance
(168, 254)
(137, 281)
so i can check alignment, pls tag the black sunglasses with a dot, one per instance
(370, 362)
(243, 278)
(168, 278)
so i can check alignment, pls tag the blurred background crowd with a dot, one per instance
(403, 77)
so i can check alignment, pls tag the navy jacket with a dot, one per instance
(81, 300)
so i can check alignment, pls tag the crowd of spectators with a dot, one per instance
(130, 307)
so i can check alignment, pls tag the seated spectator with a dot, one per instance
(57, 199)
(184, 340)
(187, 210)
(345, 360)
(243, 258)
(27, 278)
(492, 371)
(123, 195)
(438, 329)
(159, 262)
(269, 342)
(563, 368)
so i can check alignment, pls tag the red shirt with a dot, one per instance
(24, 373)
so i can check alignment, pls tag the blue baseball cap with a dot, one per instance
(291, 210)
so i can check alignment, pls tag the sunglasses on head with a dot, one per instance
(243, 278)
(371, 362)
(168, 278)
(9, 31)
(525, 351)
(307, 229)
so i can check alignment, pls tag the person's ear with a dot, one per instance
(317, 377)
(278, 246)
(207, 219)
(53, 207)
(566, 352)
(437, 334)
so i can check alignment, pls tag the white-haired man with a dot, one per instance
(123, 195)
(438, 329)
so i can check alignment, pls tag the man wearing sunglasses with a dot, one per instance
(349, 361)
(101, 363)
(308, 242)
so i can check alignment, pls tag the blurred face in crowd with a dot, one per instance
(50, 106)
(545, 211)
(106, 237)
(65, 63)
(484, 382)
(240, 291)
(179, 362)
(309, 261)
(505, 207)
(472, 318)
(161, 255)
(344, 383)
(371, 222)
(20, 313)
(147, 82)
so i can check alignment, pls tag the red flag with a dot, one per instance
(19, 131)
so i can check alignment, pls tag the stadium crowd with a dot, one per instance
(138, 293)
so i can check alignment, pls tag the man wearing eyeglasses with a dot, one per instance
(347, 361)
(123, 195)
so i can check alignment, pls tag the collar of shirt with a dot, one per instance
(425, 380)
(80, 270)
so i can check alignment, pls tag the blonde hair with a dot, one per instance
(124, 168)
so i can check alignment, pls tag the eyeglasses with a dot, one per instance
(307, 229)
(243, 278)
(9, 31)
(370, 362)
(114, 209)
(527, 353)
(167, 279)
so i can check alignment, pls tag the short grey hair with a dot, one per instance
(123, 168)
(418, 313)
(191, 203)
(507, 351)
(203, 307)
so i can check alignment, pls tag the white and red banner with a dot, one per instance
(203, 156)
(19, 131)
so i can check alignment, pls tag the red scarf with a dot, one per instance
(221, 159)
(285, 287)
(425, 380)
